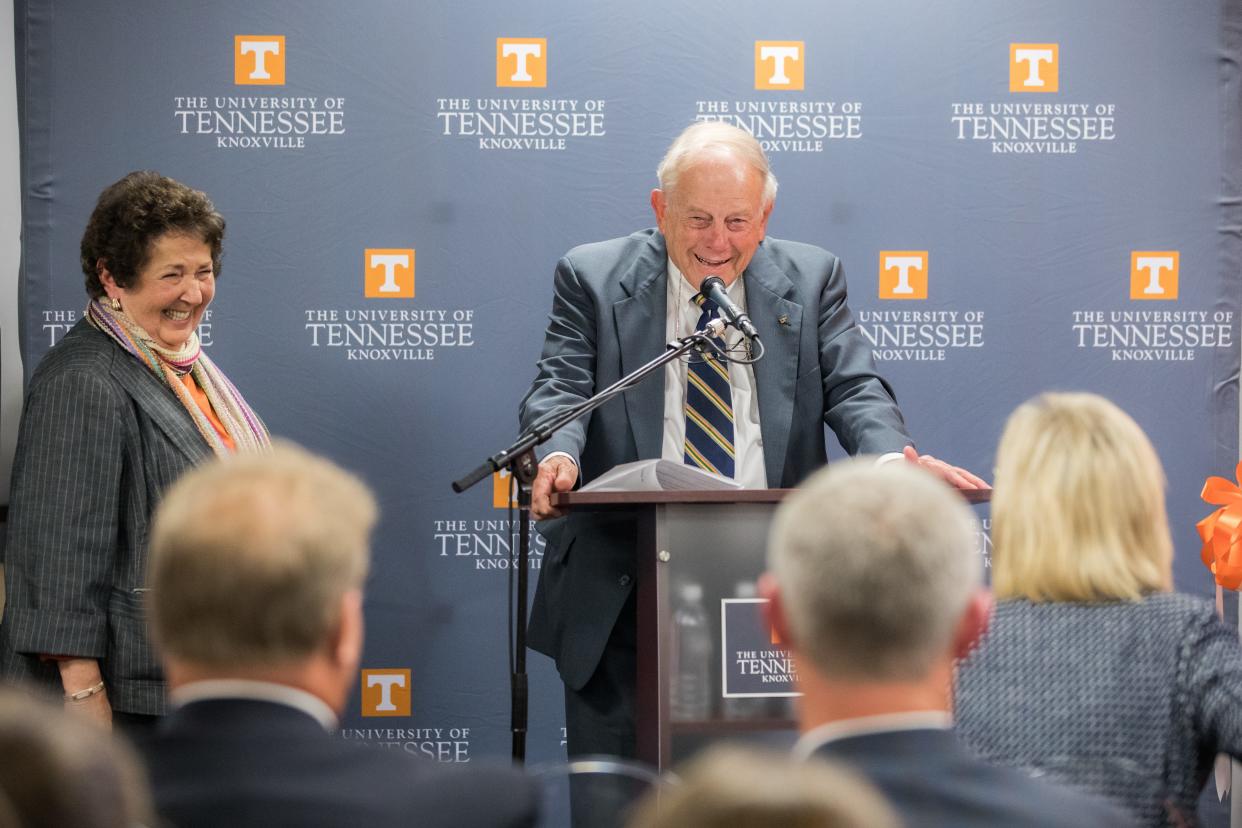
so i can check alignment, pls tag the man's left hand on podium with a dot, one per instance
(957, 477)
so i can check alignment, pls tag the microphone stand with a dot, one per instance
(519, 459)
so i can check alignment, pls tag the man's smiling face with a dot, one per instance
(714, 219)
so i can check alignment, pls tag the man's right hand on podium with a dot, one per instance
(557, 473)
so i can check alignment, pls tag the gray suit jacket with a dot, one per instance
(100, 440)
(608, 318)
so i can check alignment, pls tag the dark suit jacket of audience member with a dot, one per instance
(245, 763)
(934, 781)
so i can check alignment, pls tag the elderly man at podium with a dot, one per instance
(615, 305)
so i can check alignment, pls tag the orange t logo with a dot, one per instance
(501, 481)
(780, 64)
(389, 273)
(386, 692)
(1034, 67)
(522, 61)
(259, 60)
(903, 274)
(1154, 274)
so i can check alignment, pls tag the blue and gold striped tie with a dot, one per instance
(709, 405)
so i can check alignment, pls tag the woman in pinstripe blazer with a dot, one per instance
(115, 412)
(1094, 673)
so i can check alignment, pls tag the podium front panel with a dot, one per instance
(719, 548)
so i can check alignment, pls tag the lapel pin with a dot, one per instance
(782, 319)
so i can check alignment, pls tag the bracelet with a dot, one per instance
(83, 695)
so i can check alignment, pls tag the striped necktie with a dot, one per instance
(709, 405)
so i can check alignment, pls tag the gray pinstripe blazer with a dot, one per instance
(100, 440)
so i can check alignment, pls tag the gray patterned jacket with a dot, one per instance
(1127, 700)
(101, 439)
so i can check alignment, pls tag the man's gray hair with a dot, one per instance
(876, 564)
(708, 136)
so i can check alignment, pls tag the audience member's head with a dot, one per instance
(874, 574)
(58, 771)
(1078, 513)
(257, 567)
(730, 787)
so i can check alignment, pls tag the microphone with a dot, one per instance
(713, 288)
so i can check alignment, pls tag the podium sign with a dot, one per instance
(753, 662)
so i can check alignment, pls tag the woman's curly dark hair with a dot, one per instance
(133, 213)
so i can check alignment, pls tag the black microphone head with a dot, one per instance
(711, 283)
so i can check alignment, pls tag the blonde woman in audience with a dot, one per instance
(1094, 672)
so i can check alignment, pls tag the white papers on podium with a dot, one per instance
(658, 476)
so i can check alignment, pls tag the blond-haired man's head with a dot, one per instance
(256, 571)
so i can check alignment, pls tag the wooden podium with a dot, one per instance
(716, 539)
(713, 538)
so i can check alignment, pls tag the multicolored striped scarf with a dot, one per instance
(242, 424)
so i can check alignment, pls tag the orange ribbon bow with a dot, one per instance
(1221, 531)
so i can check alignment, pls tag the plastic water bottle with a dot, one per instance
(691, 696)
